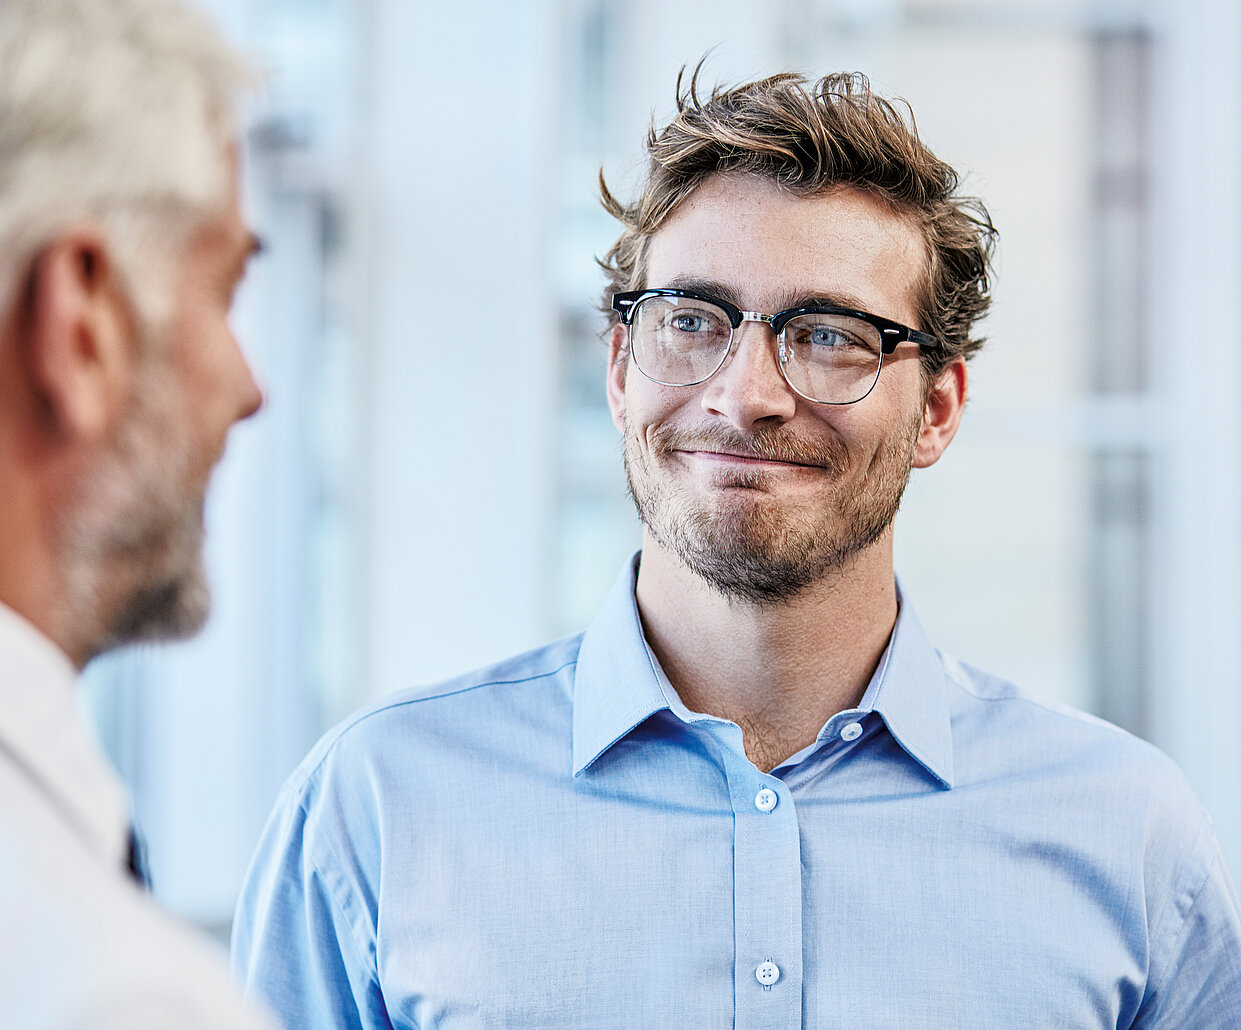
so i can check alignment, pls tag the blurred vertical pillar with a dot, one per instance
(459, 384)
(1195, 360)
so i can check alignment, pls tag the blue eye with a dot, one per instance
(826, 336)
(824, 333)
(685, 323)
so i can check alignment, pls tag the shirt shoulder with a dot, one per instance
(991, 712)
(526, 692)
(1090, 778)
(412, 759)
(1117, 808)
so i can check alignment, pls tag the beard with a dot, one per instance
(740, 538)
(132, 546)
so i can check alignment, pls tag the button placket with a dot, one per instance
(767, 902)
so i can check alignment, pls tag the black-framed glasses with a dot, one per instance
(827, 354)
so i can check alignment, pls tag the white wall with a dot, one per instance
(1196, 621)
(459, 380)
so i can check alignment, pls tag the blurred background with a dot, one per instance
(435, 482)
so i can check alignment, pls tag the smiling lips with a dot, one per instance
(729, 457)
(762, 446)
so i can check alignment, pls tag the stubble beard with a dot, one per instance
(741, 540)
(132, 546)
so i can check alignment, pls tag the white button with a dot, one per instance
(767, 973)
(852, 731)
(766, 799)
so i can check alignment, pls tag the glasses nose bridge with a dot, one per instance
(756, 316)
(769, 321)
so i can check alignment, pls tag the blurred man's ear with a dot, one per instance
(78, 336)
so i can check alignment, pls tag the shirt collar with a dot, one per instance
(44, 735)
(910, 692)
(617, 686)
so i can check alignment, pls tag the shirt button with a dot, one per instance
(852, 731)
(766, 799)
(767, 973)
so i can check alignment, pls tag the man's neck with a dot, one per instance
(34, 579)
(779, 671)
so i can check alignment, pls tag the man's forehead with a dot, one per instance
(781, 298)
(225, 228)
(772, 247)
(231, 219)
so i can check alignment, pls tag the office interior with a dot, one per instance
(435, 482)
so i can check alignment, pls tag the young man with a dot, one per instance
(752, 794)
(119, 380)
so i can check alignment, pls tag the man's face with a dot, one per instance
(757, 490)
(141, 517)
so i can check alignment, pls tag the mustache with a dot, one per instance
(767, 443)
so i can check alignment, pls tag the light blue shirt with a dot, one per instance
(556, 842)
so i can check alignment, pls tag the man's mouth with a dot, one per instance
(765, 446)
(731, 457)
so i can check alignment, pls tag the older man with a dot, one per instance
(752, 794)
(121, 243)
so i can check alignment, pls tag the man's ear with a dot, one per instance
(618, 368)
(78, 335)
(941, 415)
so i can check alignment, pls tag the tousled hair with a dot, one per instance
(812, 138)
(113, 111)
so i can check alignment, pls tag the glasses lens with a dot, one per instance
(832, 358)
(678, 340)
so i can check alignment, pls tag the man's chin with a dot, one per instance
(741, 575)
(173, 609)
(748, 546)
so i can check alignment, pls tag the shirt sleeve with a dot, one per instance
(304, 932)
(1195, 974)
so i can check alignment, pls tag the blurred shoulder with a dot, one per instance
(97, 951)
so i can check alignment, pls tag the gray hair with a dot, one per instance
(116, 112)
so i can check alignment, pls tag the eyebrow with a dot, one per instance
(723, 291)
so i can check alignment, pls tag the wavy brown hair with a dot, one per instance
(811, 138)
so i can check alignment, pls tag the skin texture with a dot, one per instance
(767, 517)
(109, 430)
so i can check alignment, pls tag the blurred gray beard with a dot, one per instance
(132, 545)
(749, 548)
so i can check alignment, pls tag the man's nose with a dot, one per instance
(250, 396)
(749, 388)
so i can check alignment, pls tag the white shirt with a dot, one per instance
(80, 944)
